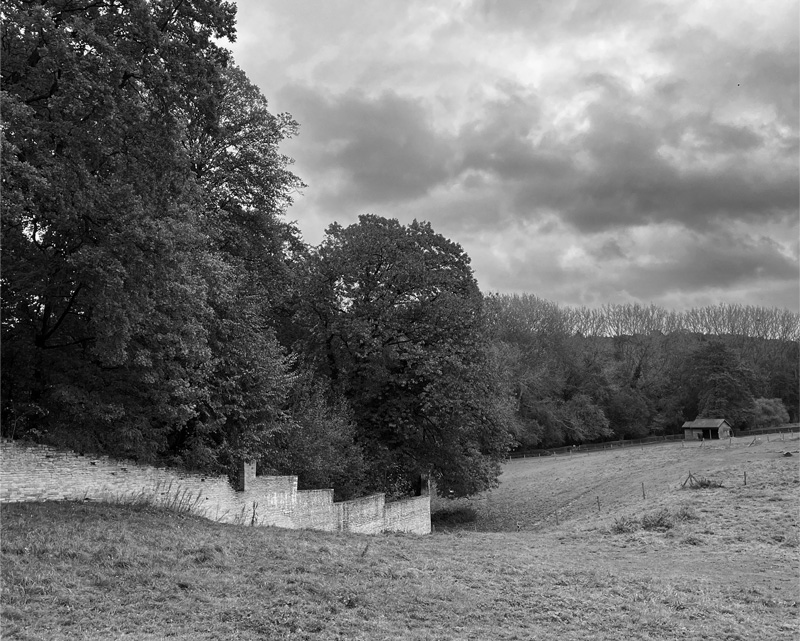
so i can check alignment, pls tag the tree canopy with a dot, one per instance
(141, 230)
(394, 321)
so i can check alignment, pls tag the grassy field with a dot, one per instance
(713, 563)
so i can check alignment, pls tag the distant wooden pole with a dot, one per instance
(745, 477)
(643, 495)
(598, 505)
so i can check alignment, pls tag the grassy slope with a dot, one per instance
(82, 571)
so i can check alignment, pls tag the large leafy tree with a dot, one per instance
(246, 185)
(142, 243)
(394, 320)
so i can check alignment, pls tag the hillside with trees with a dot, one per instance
(157, 305)
(627, 371)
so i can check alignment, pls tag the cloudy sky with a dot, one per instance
(586, 151)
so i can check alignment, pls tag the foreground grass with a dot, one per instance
(716, 563)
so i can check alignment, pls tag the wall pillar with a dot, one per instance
(245, 473)
(422, 486)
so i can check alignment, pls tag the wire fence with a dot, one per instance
(594, 447)
(606, 495)
(640, 442)
(784, 429)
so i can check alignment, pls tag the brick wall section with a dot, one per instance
(41, 473)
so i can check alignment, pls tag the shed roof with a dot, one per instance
(706, 423)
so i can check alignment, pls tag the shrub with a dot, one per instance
(768, 412)
(625, 525)
(661, 520)
(703, 483)
(686, 513)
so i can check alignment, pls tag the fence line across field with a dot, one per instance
(641, 493)
(651, 440)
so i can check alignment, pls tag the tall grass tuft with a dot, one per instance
(176, 498)
(625, 525)
(661, 520)
(686, 513)
(704, 483)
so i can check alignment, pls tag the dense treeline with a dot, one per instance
(714, 320)
(157, 305)
(626, 371)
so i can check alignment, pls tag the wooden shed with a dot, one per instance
(706, 429)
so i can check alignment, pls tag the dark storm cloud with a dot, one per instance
(500, 144)
(776, 75)
(631, 182)
(665, 266)
(609, 249)
(715, 137)
(549, 19)
(711, 70)
(728, 262)
(383, 149)
(627, 179)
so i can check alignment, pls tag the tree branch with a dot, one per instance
(61, 318)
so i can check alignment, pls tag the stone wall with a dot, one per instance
(363, 515)
(411, 515)
(40, 473)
